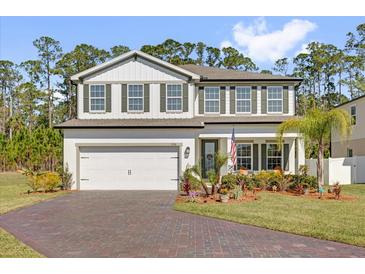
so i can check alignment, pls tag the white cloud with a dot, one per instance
(225, 44)
(258, 43)
(303, 49)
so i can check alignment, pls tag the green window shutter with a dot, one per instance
(263, 156)
(201, 100)
(108, 103)
(286, 157)
(146, 98)
(255, 159)
(232, 100)
(254, 99)
(185, 98)
(124, 98)
(86, 98)
(263, 100)
(162, 97)
(286, 99)
(222, 100)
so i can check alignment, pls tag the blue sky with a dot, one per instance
(261, 38)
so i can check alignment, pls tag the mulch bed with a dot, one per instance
(183, 198)
(249, 197)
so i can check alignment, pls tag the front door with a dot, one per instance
(209, 148)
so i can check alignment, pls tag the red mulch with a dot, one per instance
(249, 197)
(182, 198)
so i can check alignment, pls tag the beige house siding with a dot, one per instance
(339, 149)
(356, 141)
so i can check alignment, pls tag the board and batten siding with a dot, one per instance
(136, 71)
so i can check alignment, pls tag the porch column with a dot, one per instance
(292, 167)
(223, 148)
(300, 152)
(229, 162)
(259, 142)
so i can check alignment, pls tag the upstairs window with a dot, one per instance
(97, 98)
(274, 157)
(275, 99)
(353, 115)
(243, 99)
(174, 97)
(135, 98)
(211, 99)
(349, 152)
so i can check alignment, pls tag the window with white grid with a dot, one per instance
(274, 156)
(97, 98)
(211, 99)
(243, 99)
(174, 97)
(244, 156)
(275, 99)
(135, 98)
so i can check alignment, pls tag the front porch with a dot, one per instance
(252, 152)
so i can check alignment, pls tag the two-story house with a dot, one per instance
(141, 121)
(355, 145)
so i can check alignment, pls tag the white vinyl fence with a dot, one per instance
(349, 170)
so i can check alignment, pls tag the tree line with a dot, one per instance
(36, 94)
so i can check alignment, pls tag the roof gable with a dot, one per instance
(132, 55)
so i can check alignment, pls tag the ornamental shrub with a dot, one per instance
(229, 181)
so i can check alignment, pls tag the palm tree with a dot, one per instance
(316, 127)
(220, 160)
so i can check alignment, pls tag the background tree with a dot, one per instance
(233, 59)
(49, 51)
(281, 66)
(213, 58)
(200, 50)
(9, 79)
(82, 57)
(118, 50)
(266, 71)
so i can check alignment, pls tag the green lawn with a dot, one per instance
(342, 221)
(13, 195)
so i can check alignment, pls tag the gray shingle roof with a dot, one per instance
(212, 73)
(197, 122)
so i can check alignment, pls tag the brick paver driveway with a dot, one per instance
(143, 224)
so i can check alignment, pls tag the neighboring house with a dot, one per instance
(355, 145)
(141, 121)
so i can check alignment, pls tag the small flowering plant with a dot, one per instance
(192, 196)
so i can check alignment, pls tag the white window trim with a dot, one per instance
(243, 112)
(354, 105)
(219, 101)
(181, 97)
(282, 99)
(135, 84)
(267, 156)
(243, 143)
(97, 111)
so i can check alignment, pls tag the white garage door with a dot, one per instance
(141, 168)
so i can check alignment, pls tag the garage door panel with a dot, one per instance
(129, 168)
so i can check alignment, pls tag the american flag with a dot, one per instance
(233, 149)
